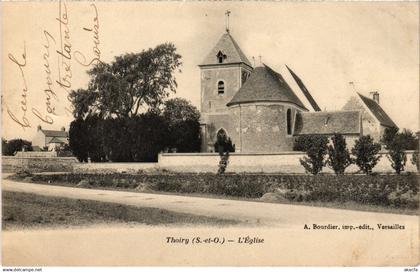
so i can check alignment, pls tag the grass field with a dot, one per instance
(22, 210)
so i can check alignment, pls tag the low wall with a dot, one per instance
(11, 164)
(36, 154)
(118, 167)
(285, 162)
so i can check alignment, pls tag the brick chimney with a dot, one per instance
(63, 129)
(375, 96)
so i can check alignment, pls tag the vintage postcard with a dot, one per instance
(202, 133)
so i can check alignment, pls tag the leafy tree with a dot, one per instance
(409, 139)
(96, 134)
(128, 84)
(366, 153)
(396, 152)
(16, 145)
(86, 139)
(149, 136)
(338, 154)
(389, 135)
(118, 143)
(180, 109)
(300, 143)
(184, 125)
(79, 139)
(3, 146)
(315, 147)
(132, 139)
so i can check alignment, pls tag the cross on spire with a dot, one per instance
(351, 83)
(227, 13)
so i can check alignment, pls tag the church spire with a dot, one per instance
(227, 14)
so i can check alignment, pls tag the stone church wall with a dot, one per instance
(214, 124)
(262, 128)
(211, 101)
(370, 126)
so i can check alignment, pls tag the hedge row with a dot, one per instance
(383, 190)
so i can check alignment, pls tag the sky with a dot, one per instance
(328, 44)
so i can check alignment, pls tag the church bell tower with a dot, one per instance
(223, 72)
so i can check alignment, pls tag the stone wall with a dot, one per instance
(262, 127)
(114, 167)
(33, 154)
(285, 162)
(12, 164)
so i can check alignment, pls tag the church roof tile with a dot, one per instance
(265, 85)
(228, 46)
(55, 133)
(377, 111)
(327, 123)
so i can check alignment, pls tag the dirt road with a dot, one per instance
(281, 227)
(268, 214)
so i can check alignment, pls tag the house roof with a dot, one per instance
(377, 111)
(57, 140)
(228, 46)
(55, 133)
(265, 85)
(304, 90)
(323, 122)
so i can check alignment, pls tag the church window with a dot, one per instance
(289, 121)
(220, 57)
(245, 76)
(220, 87)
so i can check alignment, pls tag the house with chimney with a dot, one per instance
(50, 140)
(262, 110)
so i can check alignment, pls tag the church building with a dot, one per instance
(262, 110)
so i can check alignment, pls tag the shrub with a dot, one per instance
(78, 140)
(389, 135)
(22, 174)
(137, 138)
(9, 148)
(396, 153)
(366, 153)
(415, 159)
(223, 146)
(399, 191)
(300, 143)
(316, 148)
(410, 140)
(224, 160)
(338, 154)
(85, 184)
